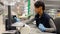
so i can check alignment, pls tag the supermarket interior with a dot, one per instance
(29, 16)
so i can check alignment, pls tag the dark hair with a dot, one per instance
(1, 3)
(39, 3)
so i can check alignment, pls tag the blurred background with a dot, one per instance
(25, 8)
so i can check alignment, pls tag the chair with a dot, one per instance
(57, 23)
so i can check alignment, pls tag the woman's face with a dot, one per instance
(39, 10)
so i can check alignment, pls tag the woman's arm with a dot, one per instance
(53, 27)
(30, 20)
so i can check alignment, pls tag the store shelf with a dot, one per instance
(52, 4)
(51, 0)
(48, 5)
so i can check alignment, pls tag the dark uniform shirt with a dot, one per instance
(44, 19)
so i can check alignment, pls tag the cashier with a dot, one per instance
(43, 20)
